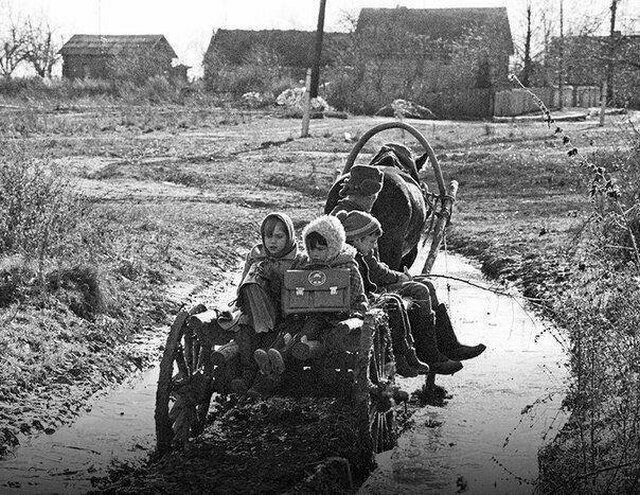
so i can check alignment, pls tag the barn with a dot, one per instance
(293, 49)
(111, 56)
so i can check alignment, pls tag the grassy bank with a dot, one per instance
(167, 196)
(531, 220)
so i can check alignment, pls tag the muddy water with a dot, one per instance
(118, 428)
(505, 404)
(480, 439)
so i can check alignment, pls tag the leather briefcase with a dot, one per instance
(316, 291)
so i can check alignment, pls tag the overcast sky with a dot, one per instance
(189, 24)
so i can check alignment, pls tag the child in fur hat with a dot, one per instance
(259, 296)
(362, 231)
(325, 247)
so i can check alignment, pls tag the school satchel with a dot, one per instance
(316, 291)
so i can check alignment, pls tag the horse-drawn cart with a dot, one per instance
(356, 363)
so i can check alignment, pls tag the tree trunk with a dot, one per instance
(611, 49)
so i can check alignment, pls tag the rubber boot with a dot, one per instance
(426, 343)
(398, 341)
(447, 340)
(410, 354)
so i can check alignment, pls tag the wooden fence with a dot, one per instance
(519, 101)
(459, 103)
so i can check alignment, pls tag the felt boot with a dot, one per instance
(447, 340)
(426, 343)
(261, 358)
(277, 363)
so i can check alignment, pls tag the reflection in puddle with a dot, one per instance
(119, 427)
(505, 403)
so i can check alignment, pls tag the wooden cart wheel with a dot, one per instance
(184, 388)
(381, 403)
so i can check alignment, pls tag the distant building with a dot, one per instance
(585, 61)
(292, 49)
(113, 56)
(445, 48)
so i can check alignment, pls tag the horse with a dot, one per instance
(401, 207)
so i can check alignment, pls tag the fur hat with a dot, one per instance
(364, 180)
(330, 228)
(358, 224)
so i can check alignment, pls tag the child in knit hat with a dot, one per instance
(362, 231)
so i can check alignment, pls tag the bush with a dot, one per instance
(16, 275)
(80, 288)
(40, 208)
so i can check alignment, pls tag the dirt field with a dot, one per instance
(177, 196)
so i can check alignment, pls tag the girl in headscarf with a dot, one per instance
(259, 295)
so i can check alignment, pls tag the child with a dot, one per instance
(324, 242)
(259, 297)
(363, 231)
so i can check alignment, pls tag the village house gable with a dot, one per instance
(293, 49)
(430, 39)
(94, 56)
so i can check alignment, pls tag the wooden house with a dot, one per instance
(448, 47)
(292, 50)
(103, 56)
(584, 61)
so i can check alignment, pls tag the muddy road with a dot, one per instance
(504, 406)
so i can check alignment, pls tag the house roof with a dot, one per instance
(94, 44)
(294, 48)
(444, 24)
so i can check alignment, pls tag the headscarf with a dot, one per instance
(291, 244)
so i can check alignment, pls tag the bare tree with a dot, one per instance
(12, 50)
(41, 50)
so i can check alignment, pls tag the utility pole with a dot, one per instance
(313, 74)
(315, 69)
(611, 49)
(607, 84)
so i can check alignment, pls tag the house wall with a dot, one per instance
(102, 66)
(85, 66)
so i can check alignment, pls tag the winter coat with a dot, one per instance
(376, 275)
(267, 270)
(339, 255)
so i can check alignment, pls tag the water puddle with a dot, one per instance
(119, 428)
(505, 405)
